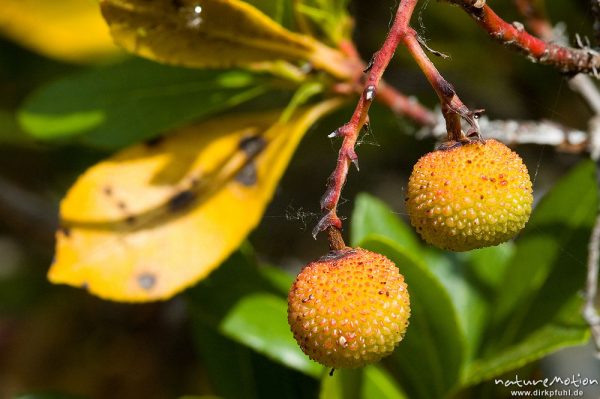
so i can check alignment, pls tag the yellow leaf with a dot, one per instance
(68, 30)
(154, 219)
(212, 33)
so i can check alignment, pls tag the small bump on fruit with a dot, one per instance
(349, 308)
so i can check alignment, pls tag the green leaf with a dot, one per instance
(278, 278)
(567, 329)
(136, 100)
(549, 265)
(225, 361)
(330, 17)
(245, 307)
(434, 345)
(379, 384)
(259, 321)
(370, 382)
(472, 279)
(372, 216)
(537, 310)
(237, 372)
(343, 384)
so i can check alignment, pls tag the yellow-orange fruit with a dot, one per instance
(469, 196)
(349, 308)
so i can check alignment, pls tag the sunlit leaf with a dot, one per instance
(156, 218)
(68, 30)
(212, 33)
(123, 104)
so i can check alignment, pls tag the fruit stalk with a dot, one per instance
(452, 107)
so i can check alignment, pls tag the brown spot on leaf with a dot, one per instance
(65, 231)
(252, 145)
(146, 281)
(154, 142)
(181, 200)
(248, 175)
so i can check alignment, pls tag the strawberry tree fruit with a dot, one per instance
(469, 196)
(349, 308)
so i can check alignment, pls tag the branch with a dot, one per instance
(590, 313)
(452, 108)
(350, 130)
(511, 132)
(399, 103)
(566, 59)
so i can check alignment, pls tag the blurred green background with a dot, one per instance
(59, 339)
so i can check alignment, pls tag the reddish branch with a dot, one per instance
(452, 107)
(566, 59)
(351, 130)
(387, 95)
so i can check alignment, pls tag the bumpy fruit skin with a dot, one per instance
(349, 308)
(469, 196)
